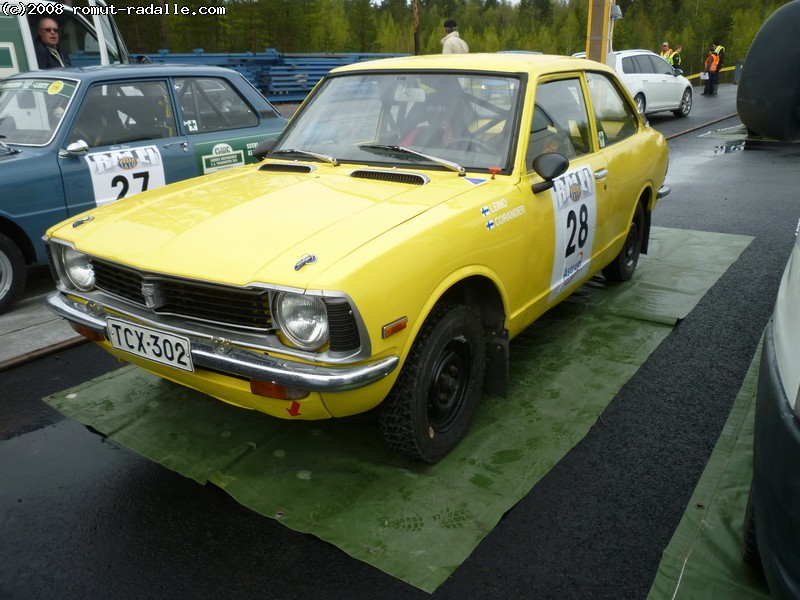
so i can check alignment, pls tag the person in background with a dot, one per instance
(709, 68)
(676, 56)
(713, 77)
(666, 52)
(48, 54)
(452, 42)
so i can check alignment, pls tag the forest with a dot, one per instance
(386, 26)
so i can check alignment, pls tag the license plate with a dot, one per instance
(160, 347)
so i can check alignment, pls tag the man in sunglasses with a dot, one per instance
(48, 54)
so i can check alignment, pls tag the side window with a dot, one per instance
(615, 118)
(643, 64)
(661, 66)
(211, 104)
(122, 113)
(629, 65)
(560, 122)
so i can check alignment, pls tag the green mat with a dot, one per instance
(703, 559)
(336, 480)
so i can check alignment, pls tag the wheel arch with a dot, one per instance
(17, 235)
(483, 294)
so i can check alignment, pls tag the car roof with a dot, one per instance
(511, 62)
(99, 73)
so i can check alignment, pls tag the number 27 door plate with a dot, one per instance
(152, 344)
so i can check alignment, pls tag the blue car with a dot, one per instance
(72, 139)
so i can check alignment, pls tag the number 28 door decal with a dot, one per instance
(575, 210)
(120, 173)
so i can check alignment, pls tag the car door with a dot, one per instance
(222, 127)
(670, 87)
(578, 206)
(131, 143)
(615, 120)
(651, 82)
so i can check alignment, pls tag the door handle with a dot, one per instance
(601, 174)
(184, 145)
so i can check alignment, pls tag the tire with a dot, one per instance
(428, 411)
(624, 264)
(641, 103)
(686, 104)
(749, 543)
(12, 273)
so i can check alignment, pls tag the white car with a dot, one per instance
(653, 82)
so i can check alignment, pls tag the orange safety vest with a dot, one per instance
(714, 62)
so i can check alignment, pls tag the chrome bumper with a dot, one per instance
(663, 191)
(245, 363)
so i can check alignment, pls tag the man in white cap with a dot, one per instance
(452, 42)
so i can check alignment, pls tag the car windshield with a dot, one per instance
(31, 110)
(444, 119)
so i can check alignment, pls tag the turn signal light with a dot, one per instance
(88, 333)
(270, 389)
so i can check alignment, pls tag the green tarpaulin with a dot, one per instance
(336, 480)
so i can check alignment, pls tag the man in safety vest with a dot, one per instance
(713, 75)
(711, 70)
(666, 52)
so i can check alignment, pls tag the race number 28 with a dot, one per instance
(577, 227)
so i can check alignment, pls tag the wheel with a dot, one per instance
(749, 544)
(12, 273)
(623, 266)
(429, 409)
(641, 103)
(686, 104)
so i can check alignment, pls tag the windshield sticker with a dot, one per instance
(118, 174)
(53, 88)
(222, 157)
(575, 209)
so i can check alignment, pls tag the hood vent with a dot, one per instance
(287, 168)
(393, 176)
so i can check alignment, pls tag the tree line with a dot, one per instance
(345, 26)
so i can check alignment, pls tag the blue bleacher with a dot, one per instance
(280, 77)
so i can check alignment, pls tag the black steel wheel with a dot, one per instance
(435, 396)
(624, 264)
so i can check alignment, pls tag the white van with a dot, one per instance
(87, 34)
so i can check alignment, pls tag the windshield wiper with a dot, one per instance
(6, 148)
(323, 157)
(403, 150)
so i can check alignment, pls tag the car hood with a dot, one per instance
(244, 225)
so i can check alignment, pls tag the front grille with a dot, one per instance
(218, 304)
(203, 302)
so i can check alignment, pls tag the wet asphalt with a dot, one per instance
(81, 517)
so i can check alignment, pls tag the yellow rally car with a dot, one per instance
(415, 215)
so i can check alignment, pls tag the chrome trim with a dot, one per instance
(245, 363)
(664, 191)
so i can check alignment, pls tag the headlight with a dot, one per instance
(302, 319)
(77, 268)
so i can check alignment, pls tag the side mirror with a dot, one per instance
(678, 72)
(78, 148)
(264, 148)
(548, 166)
